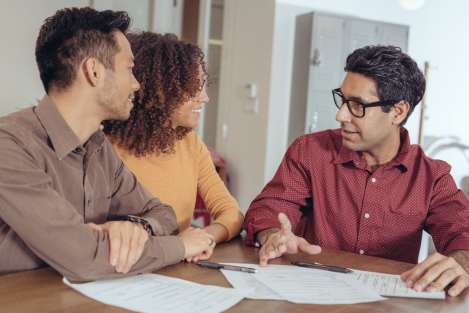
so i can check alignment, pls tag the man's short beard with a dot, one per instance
(107, 100)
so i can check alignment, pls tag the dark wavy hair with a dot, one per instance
(70, 36)
(396, 75)
(168, 72)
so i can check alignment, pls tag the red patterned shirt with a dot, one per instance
(332, 200)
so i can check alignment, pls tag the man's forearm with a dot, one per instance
(462, 257)
(160, 251)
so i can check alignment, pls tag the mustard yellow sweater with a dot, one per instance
(175, 179)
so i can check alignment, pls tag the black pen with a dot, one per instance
(319, 266)
(219, 266)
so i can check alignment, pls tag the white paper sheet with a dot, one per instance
(389, 285)
(158, 293)
(247, 282)
(300, 285)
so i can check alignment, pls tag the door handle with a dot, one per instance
(314, 123)
(316, 59)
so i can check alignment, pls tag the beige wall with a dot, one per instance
(20, 22)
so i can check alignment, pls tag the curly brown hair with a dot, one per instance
(168, 70)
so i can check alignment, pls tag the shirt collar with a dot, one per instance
(61, 136)
(404, 157)
(402, 160)
(345, 155)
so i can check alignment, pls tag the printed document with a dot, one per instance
(158, 293)
(389, 285)
(304, 285)
(300, 285)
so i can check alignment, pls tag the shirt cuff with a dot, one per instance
(457, 244)
(170, 247)
(153, 223)
(254, 226)
(158, 228)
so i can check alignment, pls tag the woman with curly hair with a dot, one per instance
(158, 143)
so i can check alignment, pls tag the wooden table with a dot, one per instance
(43, 291)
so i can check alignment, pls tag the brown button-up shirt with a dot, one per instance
(51, 186)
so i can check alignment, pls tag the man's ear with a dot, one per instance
(92, 71)
(400, 111)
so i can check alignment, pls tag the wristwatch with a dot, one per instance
(138, 220)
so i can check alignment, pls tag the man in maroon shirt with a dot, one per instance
(364, 188)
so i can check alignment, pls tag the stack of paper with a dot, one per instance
(305, 285)
(158, 293)
(299, 285)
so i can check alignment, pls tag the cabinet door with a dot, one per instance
(396, 35)
(359, 33)
(325, 71)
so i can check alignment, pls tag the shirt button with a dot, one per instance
(361, 251)
(367, 215)
(373, 180)
(78, 150)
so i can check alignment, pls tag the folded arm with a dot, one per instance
(51, 227)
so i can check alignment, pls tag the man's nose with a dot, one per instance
(343, 114)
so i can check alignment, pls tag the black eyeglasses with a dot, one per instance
(356, 107)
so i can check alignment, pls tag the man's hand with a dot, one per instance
(283, 241)
(198, 244)
(126, 240)
(436, 273)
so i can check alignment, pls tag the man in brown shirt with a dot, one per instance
(65, 197)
